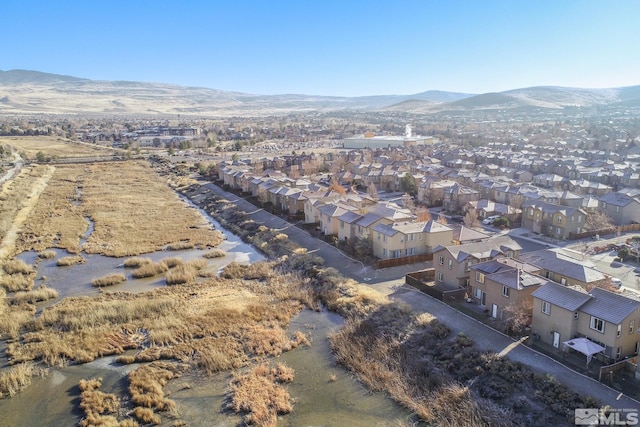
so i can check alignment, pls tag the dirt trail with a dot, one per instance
(7, 246)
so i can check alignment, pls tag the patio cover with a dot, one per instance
(585, 346)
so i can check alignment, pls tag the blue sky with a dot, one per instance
(327, 47)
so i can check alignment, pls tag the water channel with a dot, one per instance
(325, 394)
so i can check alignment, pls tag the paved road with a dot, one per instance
(391, 280)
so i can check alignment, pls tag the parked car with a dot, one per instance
(616, 282)
(489, 220)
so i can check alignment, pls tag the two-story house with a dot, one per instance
(561, 313)
(621, 208)
(404, 239)
(504, 282)
(452, 264)
(566, 267)
(552, 220)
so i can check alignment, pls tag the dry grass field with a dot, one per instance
(133, 211)
(29, 146)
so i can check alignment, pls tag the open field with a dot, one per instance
(52, 147)
(133, 212)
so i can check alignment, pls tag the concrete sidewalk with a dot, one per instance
(391, 281)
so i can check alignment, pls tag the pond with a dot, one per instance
(325, 394)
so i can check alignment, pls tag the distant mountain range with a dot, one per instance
(23, 91)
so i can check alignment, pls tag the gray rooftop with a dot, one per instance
(561, 296)
(609, 306)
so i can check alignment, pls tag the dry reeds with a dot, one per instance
(95, 403)
(146, 383)
(16, 282)
(181, 275)
(150, 270)
(180, 246)
(16, 378)
(135, 262)
(16, 266)
(31, 297)
(146, 415)
(109, 280)
(260, 394)
(70, 260)
(132, 208)
(173, 262)
(214, 253)
(47, 254)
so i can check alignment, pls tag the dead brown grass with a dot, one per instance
(214, 253)
(260, 394)
(54, 146)
(181, 274)
(109, 280)
(146, 383)
(16, 266)
(16, 378)
(70, 260)
(31, 297)
(150, 270)
(146, 415)
(135, 262)
(133, 210)
(16, 282)
(47, 254)
(95, 403)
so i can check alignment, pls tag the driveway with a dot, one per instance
(391, 281)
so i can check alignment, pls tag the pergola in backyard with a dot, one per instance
(584, 346)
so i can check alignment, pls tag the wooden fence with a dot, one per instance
(423, 281)
(629, 365)
(394, 262)
(605, 231)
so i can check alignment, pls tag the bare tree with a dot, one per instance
(335, 186)
(597, 220)
(470, 219)
(516, 317)
(372, 191)
(263, 195)
(423, 214)
(442, 219)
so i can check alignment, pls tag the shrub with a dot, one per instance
(70, 260)
(179, 246)
(173, 262)
(135, 262)
(16, 378)
(150, 270)
(31, 297)
(48, 254)
(16, 266)
(16, 282)
(180, 275)
(146, 415)
(109, 280)
(214, 253)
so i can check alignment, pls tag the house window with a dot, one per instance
(576, 315)
(619, 330)
(530, 211)
(632, 326)
(441, 260)
(378, 236)
(546, 308)
(559, 219)
(604, 205)
(505, 291)
(617, 209)
(384, 238)
(618, 353)
(579, 218)
(440, 276)
(597, 324)
(384, 252)
(479, 277)
(450, 264)
(411, 251)
(342, 225)
(477, 293)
